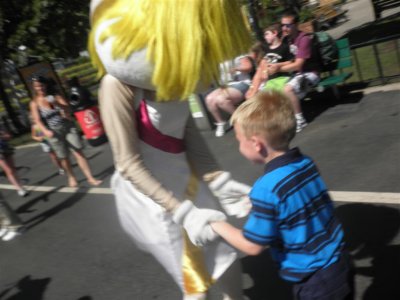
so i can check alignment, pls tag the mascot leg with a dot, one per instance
(230, 283)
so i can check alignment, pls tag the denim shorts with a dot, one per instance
(240, 86)
(65, 138)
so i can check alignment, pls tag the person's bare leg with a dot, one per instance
(9, 170)
(293, 99)
(66, 165)
(55, 160)
(84, 165)
(211, 103)
(300, 120)
(228, 100)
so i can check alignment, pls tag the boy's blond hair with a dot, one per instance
(269, 115)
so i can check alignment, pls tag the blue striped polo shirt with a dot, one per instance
(293, 214)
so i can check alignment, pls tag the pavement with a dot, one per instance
(74, 247)
(359, 13)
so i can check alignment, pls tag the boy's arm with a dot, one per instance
(234, 236)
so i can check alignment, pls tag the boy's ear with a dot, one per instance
(257, 143)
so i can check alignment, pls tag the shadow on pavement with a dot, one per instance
(27, 289)
(369, 230)
(44, 180)
(266, 282)
(28, 207)
(105, 173)
(69, 202)
(317, 103)
(93, 155)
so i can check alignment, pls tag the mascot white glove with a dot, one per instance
(196, 222)
(232, 195)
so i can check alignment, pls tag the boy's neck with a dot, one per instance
(272, 154)
(275, 44)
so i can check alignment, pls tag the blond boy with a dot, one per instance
(292, 212)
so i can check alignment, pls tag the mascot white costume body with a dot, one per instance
(153, 53)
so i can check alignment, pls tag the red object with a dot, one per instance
(151, 136)
(90, 122)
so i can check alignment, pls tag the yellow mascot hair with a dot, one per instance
(186, 39)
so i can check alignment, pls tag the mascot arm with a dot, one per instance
(118, 115)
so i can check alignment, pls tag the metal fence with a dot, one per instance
(377, 61)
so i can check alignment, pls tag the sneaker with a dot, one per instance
(61, 172)
(220, 130)
(22, 192)
(10, 235)
(300, 124)
(3, 231)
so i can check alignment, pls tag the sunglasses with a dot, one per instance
(287, 25)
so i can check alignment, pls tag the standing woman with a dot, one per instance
(51, 114)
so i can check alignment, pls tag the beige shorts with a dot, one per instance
(65, 138)
(302, 83)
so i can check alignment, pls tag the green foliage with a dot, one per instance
(48, 28)
(306, 14)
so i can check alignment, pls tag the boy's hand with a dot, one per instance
(232, 195)
(196, 222)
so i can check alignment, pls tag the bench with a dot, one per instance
(328, 15)
(381, 5)
(204, 120)
(338, 76)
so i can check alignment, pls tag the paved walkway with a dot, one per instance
(359, 12)
(74, 247)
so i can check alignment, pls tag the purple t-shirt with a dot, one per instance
(302, 48)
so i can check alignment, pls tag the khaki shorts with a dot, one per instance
(65, 138)
(302, 83)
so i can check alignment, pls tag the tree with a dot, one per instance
(47, 28)
(253, 5)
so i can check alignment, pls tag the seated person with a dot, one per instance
(305, 66)
(227, 97)
(277, 52)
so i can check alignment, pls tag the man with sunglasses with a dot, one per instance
(305, 67)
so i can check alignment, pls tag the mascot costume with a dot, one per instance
(152, 55)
